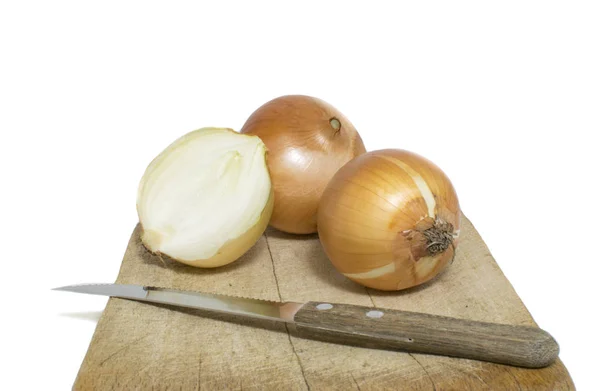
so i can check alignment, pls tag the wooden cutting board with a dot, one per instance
(144, 346)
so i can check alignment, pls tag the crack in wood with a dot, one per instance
(370, 297)
(297, 357)
(355, 382)
(199, 384)
(286, 325)
(425, 370)
(122, 349)
(273, 266)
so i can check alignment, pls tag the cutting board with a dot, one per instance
(146, 346)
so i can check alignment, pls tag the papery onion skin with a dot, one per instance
(231, 249)
(389, 220)
(308, 141)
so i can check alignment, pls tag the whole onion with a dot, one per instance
(389, 220)
(308, 141)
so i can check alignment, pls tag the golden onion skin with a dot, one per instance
(389, 220)
(308, 141)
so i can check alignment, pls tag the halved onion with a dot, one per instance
(207, 198)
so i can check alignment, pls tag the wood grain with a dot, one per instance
(141, 346)
(416, 332)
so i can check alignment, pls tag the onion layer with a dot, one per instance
(207, 198)
(308, 141)
(389, 220)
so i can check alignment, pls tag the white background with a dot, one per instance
(504, 96)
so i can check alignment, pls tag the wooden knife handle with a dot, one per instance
(423, 333)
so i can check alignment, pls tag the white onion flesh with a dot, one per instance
(207, 198)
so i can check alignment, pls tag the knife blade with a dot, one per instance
(255, 308)
(524, 346)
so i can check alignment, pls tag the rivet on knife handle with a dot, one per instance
(423, 333)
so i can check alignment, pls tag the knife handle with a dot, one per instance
(523, 346)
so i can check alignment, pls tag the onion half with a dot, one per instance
(389, 220)
(308, 141)
(207, 198)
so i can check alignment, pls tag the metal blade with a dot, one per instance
(221, 303)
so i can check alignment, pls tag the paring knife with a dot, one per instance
(365, 326)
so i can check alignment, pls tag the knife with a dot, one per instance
(370, 327)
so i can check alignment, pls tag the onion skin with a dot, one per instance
(308, 141)
(389, 220)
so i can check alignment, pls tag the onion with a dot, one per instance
(389, 220)
(308, 141)
(207, 198)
